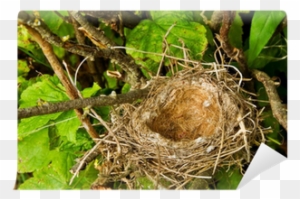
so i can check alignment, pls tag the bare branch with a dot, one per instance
(85, 160)
(81, 103)
(129, 19)
(279, 112)
(134, 74)
(57, 67)
(96, 35)
(234, 53)
(81, 40)
(99, 39)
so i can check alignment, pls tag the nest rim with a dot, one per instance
(181, 161)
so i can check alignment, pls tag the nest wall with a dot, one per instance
(187, 126)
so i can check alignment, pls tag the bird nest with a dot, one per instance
(188, 126)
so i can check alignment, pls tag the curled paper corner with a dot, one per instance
(264, 159)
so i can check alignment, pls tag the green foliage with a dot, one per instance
(270, 53)
(126, 88)
(56, 24)
(48, 89)
(264, 24)
(274, 137)
(144, 183)
(236, 31)
(59, 52)
(56, 175)
(53, 138)
(23, 68)
(83, 142)
(33, 152)
(26, 44)
(88, 92)
(228, 179)
(180, 31)
(49, 144)
(32, 125)
(197, 184)
(69, 127)
(111, 34)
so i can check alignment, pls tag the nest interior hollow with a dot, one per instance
(188, 112)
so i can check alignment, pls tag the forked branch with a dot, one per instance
(57, 67)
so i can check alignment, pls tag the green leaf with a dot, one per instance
(236, 32)
(53, 176)
(270, 53)
(264, 24)
(34, 124)
(209, 36)
(54, 138)
(274, 138)
(150, 67)
(85, 178)
(198, 183)
(149, 35)
(262, 96)
(228, 179)
(48, 90)
(45, 179)
(59, 52)
(62, 163)
(172, 15)
(112, 82)
(23, 68)
(144, 183)
(26, 44)
(103, 112)
(285, 32)
(266, 56)
(23, 84)
(74, 59)
(56, 24)
(126, 88)
(83, 143)
(57, 175)
(67, 124)
(109, 33)
(89, 92)
(33, 152)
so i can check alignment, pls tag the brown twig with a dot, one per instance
(279, 112)
(215, 20)
(81, 103)
(81, 40)
(85, 160)
(134, 74)
(232, 52)
(57, 67)
(129, 19)
(96, 35)
(75, 170)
